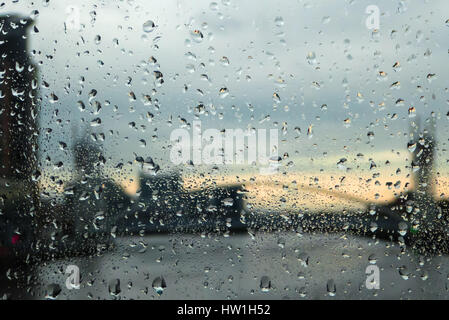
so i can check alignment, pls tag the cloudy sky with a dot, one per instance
(328, 69)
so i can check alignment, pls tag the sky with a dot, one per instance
(330, 72)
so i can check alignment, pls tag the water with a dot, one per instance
(258, 266)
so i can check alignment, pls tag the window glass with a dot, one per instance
(223, 149)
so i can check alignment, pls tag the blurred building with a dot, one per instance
(93, 202)
(18, 103)
(19, 196)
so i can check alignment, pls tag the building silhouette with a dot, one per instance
(20, 217)
(18, 87)
(19, 196)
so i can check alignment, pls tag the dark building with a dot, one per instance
(19, 192)
(18, 102)
(19, 196)
(93, 203)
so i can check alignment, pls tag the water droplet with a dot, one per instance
(53, 290)
(303, 258)
(279, 21)
(53, 98)
(404, 273)
(331, 288)
(326, 20)
(372, 259)
(402, 228)
(114, 287)
(224, 92)
(34, 14)
(197, 35)
(311, 58)
(411, 146)
(148, 26)
(224, 61)
(159, 285)
(265, 284)
(228, 202)
(213, 6)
